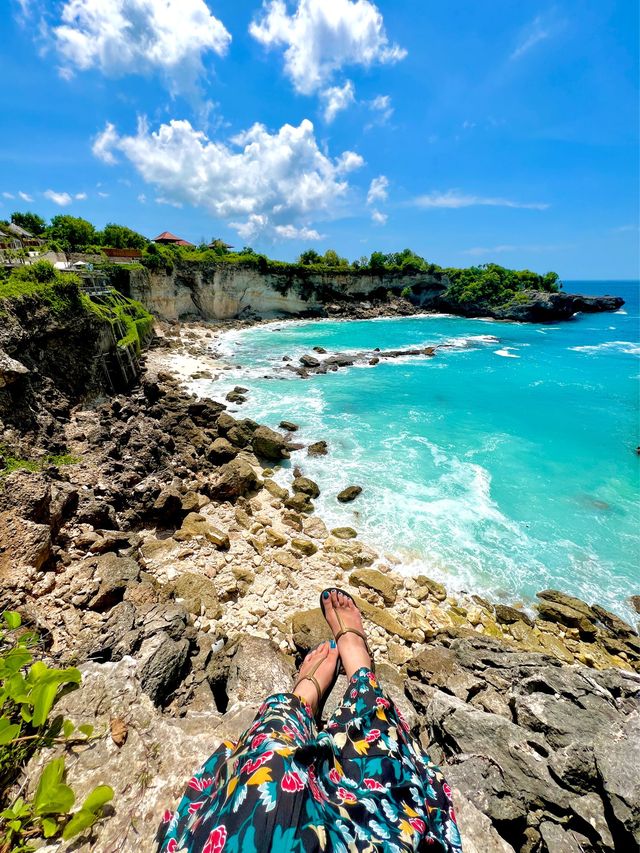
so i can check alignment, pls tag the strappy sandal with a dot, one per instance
(343, 629)
(311, 676)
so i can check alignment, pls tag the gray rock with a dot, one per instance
(114, 574)
(506, 615)
(306, 486)
(10, 370)
(616, 625)
(310, 361)
(557, 840)
(617, 761)
(289, 426)
(161, 663)
(476, 832)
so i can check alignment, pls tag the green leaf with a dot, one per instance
(12, 619)
(86, 729)
(49, 826)
(42, 698)
(99, 797)
(68, 728)
(52, 795)
(79, 822)
(8, 731)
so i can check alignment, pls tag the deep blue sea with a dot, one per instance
(505, 465)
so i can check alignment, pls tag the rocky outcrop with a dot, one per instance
(536, 307)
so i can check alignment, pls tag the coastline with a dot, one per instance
(469, 611)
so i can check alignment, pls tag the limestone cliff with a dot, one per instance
(225, 291)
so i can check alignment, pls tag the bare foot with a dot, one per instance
(352, 648)
(305, 689)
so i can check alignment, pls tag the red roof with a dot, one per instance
(168, 237)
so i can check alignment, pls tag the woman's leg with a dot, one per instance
(255, 788)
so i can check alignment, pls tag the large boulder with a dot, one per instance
(10, 369)
(268, 444)
(386, 586)
(306, 486)
(196, 525)
(114, 575)
(349, 494)
(161, 662)
(233, 480)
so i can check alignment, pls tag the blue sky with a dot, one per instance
(468, 131)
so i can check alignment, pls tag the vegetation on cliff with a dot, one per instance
(483, 286)
(63, 294)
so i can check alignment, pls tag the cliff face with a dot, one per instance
(211, 292)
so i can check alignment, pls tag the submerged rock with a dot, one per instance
(289, 426)
(319, 448)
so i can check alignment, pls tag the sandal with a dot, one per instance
(311, 676)
(343, 629)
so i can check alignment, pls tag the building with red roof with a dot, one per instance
(169, 239)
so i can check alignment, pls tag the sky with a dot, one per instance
(470, 132)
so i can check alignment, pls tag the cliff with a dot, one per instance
(225, 291)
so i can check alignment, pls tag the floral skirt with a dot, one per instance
(362, 784)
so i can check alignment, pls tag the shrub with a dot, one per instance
(29, 690)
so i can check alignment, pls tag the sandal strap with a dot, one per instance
(311, 677)
(344, 631)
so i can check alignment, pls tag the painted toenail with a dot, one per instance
(325, 594)
(333, 644)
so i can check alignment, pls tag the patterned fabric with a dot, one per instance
(362, 784)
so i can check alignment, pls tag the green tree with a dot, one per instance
(309, 257)
(377, 261)
(332, 259)
(31, 222)
(120, 237)
(72, 232)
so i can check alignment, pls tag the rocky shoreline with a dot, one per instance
(184, 580)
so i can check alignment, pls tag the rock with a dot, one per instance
(384, 620)
(309, 361)
(614, 624)
(163, 747)
(316, 528)
(318, 448)
(306, 486)
(257, 670)
(384, 585)
(196, 525)
(571, 601)
(274, 489)
(349, 494)
(286, 559)
(299, 502)
(553, 612)
(97, 513)
(560, 841)
(617, 762)
(28, 495)
(635, 602)
(320, 350)
(167, 507)
(476, 832)
(506, 615)
(289, 426)
(198, 593)
(304, 546)
(161, 663)
(427, 586)
(275, 537)
(241, 434)
(235, 397)
(309, 628)
(269, 444)
(114, 574)
(221, 450)
(10, 370)
(344, 533)
(233, 480)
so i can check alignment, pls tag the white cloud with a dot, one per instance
(290, 232)
(139, 36)
(507, 248)
(336, 99)
(622, 229)
(264, 182)
(142, 198)
(378, 190)
(538, 30)
(103, 195)
(378, 217)
(7, 195)
(61, 199)
(381, 105)
(80, 196)
(25, 196)
(457, 199)
(323, 36)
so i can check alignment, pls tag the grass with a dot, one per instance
(14, 463)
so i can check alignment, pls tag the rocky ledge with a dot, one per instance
(184, 580)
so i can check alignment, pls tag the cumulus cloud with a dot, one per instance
(275, 184)
(378, 190)
(61, 199)
(80, 196)
(336, 99)
(7, 195)
(322, 36)
(378, 217)
(25, 196)
(457, 199)
(381, 106)
(139, 36)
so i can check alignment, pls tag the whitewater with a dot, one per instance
(504, 465)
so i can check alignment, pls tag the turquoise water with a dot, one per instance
(504, 465)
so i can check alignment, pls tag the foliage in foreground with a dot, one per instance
(29, 691)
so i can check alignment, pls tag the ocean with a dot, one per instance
(504, 465)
